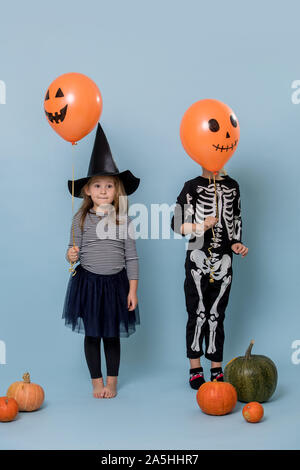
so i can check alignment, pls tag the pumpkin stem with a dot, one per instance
(248, 352)
(26, 378)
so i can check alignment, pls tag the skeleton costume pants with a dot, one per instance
(206, 303)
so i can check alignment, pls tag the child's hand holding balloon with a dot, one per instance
(209, 222)
(73, 254)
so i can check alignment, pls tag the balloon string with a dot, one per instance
(71, 269)
(211, 279)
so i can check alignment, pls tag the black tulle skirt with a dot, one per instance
(96, 304)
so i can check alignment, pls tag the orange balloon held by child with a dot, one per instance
(253, 412)
(210, 133)
(73, 105)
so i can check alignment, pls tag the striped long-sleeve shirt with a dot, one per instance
(105, 250)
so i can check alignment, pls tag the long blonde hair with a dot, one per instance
(120, 202)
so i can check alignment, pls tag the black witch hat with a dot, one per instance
(103, 164)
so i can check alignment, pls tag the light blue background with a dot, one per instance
(151, 61)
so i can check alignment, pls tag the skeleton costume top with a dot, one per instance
(197, 201)
(208, 264)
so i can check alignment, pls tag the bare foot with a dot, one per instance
(110, 390)
(98, 387)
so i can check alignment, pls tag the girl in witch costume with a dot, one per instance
(101, 298)
(209, 209)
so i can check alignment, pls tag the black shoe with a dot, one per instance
(217, 374)
(196, 378)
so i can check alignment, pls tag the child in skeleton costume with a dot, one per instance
(202, 206)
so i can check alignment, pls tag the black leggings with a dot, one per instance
(93, 355)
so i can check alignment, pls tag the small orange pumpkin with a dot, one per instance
(216, 398)
(29, 396)
(253, 412)
(8, 409)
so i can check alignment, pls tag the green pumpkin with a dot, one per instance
(253, 376)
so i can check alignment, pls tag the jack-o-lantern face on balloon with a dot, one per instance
(210, 133)
(73, 105)
(56, 116)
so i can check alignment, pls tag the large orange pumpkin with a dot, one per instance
(253, 412)
(8, 409)
(29, 396)
(216, 398)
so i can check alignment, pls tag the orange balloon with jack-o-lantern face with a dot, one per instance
(210, 133)
(73, 105)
